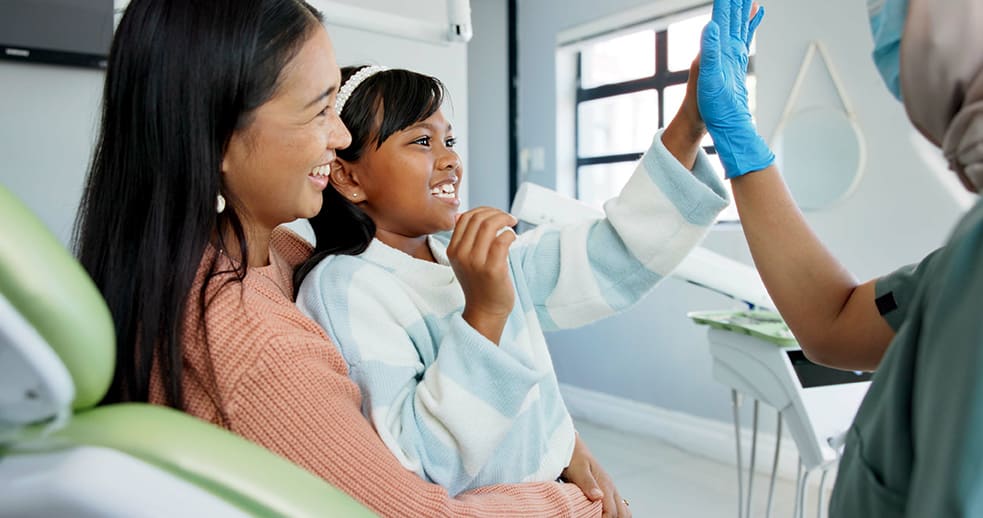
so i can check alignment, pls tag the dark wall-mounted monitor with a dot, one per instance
(62, 32)
(814, 375)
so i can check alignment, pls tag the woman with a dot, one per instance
(916, 445)
(218, 126)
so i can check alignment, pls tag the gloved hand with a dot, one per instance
(721, 89)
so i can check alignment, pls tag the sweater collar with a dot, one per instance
(409, 268)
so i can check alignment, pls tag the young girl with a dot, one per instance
(444, 334)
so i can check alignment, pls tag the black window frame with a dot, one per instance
(661, 79)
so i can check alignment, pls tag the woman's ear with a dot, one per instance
(237, 152)
(236, 155)
(344, 179)
(230, 155)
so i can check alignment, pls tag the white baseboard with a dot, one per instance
(697, 435)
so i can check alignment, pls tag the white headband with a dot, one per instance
(352, 83)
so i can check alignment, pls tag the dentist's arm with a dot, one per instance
(834, 318)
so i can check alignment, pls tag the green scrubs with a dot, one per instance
(916, 446)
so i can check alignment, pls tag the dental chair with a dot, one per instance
(61, 455)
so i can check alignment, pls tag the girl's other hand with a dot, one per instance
(587, 474)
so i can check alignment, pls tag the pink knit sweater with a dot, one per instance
(281, 383)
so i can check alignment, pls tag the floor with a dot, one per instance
(661, 481)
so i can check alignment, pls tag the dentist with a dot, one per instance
(916, 446)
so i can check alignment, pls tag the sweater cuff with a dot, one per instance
(699, 195)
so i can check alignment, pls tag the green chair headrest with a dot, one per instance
(45, 283)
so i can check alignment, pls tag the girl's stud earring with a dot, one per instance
(354, 195)
(219, 204)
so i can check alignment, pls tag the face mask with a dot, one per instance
(887, 20)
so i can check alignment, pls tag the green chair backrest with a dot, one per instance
(42, 280)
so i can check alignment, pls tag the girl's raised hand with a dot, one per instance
(478, 252)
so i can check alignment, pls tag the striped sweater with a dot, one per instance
(453, 407)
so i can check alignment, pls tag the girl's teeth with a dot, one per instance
(444, 191)
(322, 170)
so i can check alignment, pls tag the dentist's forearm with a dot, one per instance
(831, 314)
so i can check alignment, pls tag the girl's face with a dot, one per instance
(277, 166)
(409, 185)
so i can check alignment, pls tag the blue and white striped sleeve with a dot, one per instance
(469, 395)
(580, 273)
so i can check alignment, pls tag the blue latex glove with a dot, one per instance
(722, 92)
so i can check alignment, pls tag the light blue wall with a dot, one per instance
(488, 79)
(897, 214)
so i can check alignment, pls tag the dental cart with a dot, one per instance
(756, 355)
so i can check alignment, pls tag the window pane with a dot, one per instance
(752, 93)
(707, 141)
(620, 124)
(619, 59)
(730, 212)
(597, 184)
(672, 99)
(684, 41)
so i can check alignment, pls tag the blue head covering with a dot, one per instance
(887, 21)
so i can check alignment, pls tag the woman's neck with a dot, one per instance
(258, 240)
(416, 247)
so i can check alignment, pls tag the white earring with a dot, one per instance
(354, 195)
(219, 203)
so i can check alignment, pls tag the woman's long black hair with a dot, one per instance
(183, 75)
(404, 98)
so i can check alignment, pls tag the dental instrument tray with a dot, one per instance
(767, 325)
(755, 354)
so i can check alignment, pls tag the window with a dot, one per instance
(628, 86)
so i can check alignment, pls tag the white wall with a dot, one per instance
(48, 121)
(423, 9)
(898, 213)
(48, 114)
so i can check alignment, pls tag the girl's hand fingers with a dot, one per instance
(475, 232)
(462, 239)
(489, 231)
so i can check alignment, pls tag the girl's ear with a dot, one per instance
(345, 180)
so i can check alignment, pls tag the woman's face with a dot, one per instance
(276, 167)
(410, 184)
